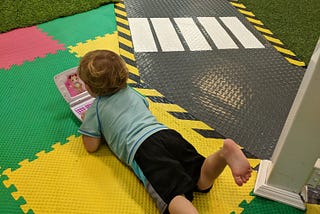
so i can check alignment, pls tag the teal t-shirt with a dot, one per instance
(123, 119)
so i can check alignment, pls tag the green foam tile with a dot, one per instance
(82, 27)
(8, 205)
(261, 205)
(34, 114)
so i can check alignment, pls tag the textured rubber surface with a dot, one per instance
(243, 93)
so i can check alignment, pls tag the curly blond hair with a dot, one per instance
(103, 71)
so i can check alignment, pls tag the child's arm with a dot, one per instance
(91, 144)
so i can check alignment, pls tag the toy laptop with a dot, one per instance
(73, 90)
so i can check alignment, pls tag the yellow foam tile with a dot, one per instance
(225, 195)
(70, 180)
(313, 208)
(107, 42)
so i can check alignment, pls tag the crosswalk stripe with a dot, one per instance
(142, 35)
(247, 39)
(191, 33)
(166, 34)
(217, 33)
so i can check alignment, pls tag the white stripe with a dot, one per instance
(247, 39)
(192, 34)
(141, 34)
(166, 34)
(217, 33)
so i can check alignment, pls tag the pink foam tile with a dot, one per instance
(25, 44)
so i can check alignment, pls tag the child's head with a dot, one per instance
(103, 71)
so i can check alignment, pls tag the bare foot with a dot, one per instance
(237, 162)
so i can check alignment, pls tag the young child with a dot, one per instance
(169, 167)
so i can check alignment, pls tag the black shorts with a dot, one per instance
(171, 165)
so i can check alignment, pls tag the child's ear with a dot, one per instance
(93, 94)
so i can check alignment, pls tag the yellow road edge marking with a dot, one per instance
(125, 42)
(123, 21)
(123, 30)
(255, 21)
(295, 62)
(238, 5)
(120, 5)
(120, 12)
(283, 50)
(246, 12)
(149, 92)
(263, 30)
(274, 40)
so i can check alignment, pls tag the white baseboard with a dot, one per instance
(263, 189)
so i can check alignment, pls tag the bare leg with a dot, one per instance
(181, 205)
(230, 155)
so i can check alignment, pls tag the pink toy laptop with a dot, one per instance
(73, 90)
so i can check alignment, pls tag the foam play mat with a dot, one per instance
(44, 167)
